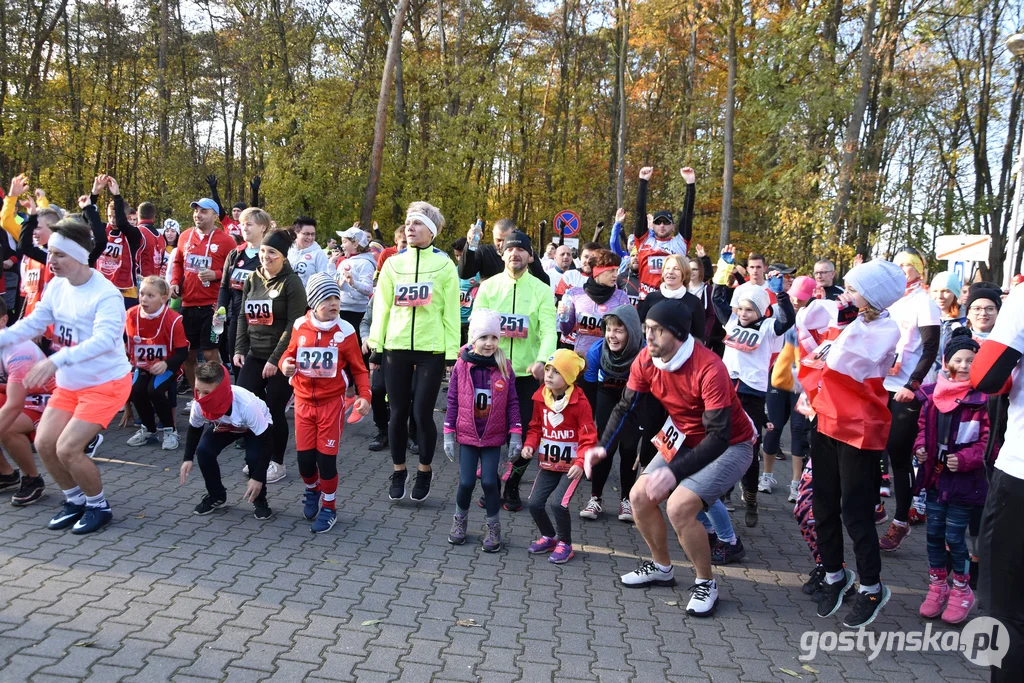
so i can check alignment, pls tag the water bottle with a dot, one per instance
(218, 321)
(477, 234)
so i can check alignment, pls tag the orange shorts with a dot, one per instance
(319, 425)
(97, 405)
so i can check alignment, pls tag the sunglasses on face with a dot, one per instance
(663, 221)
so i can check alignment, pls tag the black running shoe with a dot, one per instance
(380, 442)
(398, 480)
(814, 580)
(866, 607)
(260, 510)
(421, 487)
(832, 594)
(94, 445)
(413, 447)
(69, 514)
(750, 518)
(10, 481)
(512, 501)
(30, 491)
(208, 504)
(724, 553)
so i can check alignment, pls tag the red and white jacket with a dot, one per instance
(559, 439)
(322, 352)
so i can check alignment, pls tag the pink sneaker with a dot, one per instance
(938, 594)
(961, 601)
(544, 544)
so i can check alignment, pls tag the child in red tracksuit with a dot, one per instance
(561, 431)
(322, 348)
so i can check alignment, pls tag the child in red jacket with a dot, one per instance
(561, 431)
(322, 347)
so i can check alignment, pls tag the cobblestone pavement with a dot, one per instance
(162, 594)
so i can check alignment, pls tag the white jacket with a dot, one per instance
(307, 261)
(362, 266)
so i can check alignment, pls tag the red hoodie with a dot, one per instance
(561, 439)
(321, 357)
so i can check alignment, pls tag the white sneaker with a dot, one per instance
(625, 510)
(648, 574)
(170, 442)
(884, 491)
(593, 509)
(764, 485)
(188, 408)
(245, 470)
(141, 437)
(793, 486)
(275, 472)
(703, 598)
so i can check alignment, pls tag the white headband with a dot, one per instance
(69, 247)
(424, 220)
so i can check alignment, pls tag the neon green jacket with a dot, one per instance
(434, 327)
(526, 296)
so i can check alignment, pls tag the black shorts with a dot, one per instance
(198, 324)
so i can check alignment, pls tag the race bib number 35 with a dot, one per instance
(515, 326)
(63, 335)
(317, 361)
(668, 440)
(259, 312)
(415, 294)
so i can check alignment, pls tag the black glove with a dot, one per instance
(254, 184)
(211, 180)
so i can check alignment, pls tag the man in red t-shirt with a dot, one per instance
(704, 447)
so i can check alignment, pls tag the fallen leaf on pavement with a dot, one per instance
(792, 673)
(371, 622)
(466, 622)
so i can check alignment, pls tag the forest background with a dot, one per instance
(816, 127)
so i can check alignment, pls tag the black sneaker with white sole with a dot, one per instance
(94, 446)
(208, 504)
(814, 580)
(866, 607)
(421, 487)
(398, 481)
(832, 594)
(260, 510)
(648, 574)
(30, 491)
(10, 481)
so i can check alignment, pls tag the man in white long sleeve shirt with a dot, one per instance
(92, 372)
(305, 255)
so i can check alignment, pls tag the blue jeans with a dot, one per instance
(947, 525)
(487, 459)
(716, 520)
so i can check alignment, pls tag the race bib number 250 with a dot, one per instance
(415, 294)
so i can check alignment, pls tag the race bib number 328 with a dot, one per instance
(317, 361)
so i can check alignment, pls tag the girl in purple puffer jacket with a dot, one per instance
(483, 412)
(953, 430)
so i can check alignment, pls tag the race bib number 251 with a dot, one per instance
(515, 326)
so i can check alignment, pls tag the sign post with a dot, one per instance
(567, 223)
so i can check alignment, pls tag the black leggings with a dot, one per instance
(626, 442)
(401, 368)
(313, 463)
(900, 449)
(754, 407)
(275, 391)
(526, 387)
(151, 402)
(781, 406)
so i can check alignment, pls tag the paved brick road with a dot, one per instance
(162, 594)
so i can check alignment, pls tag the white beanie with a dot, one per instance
(755, 294)
(881, 283)
(483, 322)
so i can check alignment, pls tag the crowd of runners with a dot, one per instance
(898, 390)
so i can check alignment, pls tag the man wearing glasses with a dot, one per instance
(305, 255)
(824, 276)
(704, 448)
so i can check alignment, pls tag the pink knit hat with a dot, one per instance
(483, 322)
(802, 288)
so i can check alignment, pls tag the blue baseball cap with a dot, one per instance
(206, 203)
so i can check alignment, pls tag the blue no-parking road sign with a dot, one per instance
(569, 221)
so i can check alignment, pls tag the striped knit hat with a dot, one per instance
(319, 287)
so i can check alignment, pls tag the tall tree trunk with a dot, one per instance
(730, 116)
(853, 127)
(620, 77)
(380, 125)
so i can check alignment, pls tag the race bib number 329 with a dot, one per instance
(415, 294)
